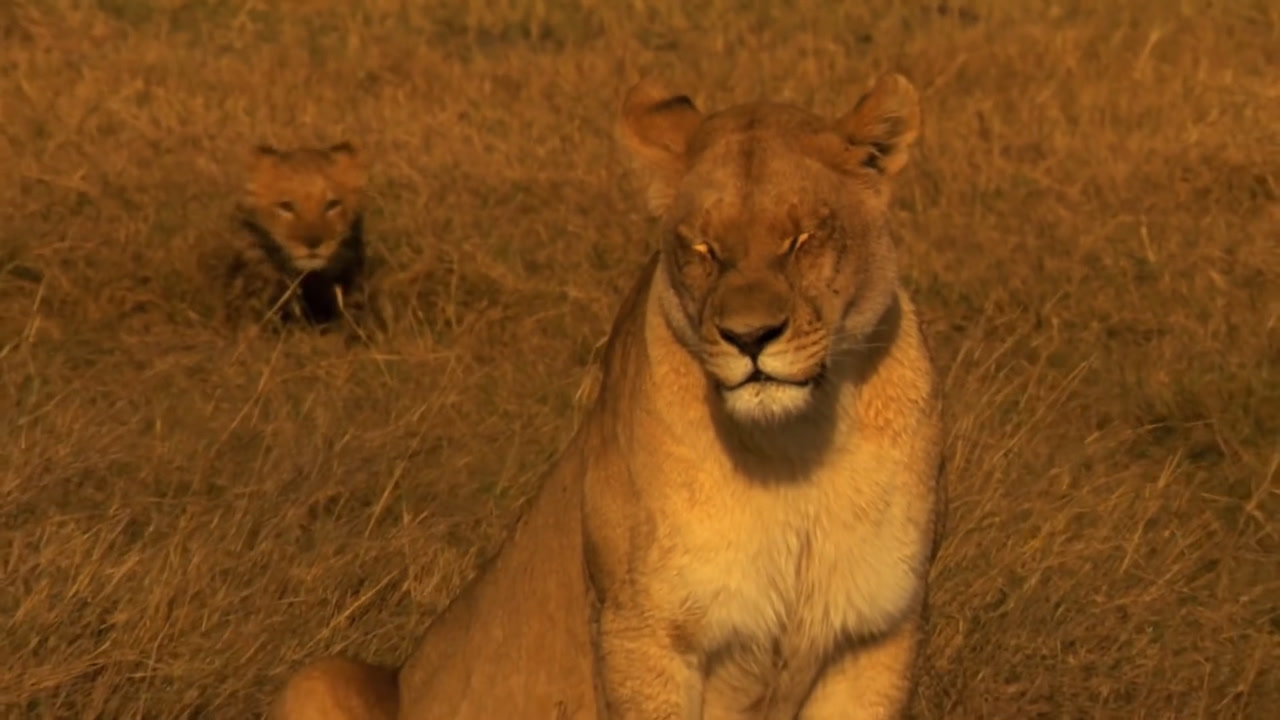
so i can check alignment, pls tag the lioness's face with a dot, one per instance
(776, 250)
(306, 200)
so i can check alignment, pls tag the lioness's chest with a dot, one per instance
(832, 553)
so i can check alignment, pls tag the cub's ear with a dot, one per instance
(882, 126)
(654, 126)
(262, 156)
(261, 161)
(343, 148)
(348, 163)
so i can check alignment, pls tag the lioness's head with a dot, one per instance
(776, 253)
(305, 199)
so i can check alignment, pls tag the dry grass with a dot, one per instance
(1093, 229)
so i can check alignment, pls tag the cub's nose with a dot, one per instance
(752, 341)
(311, 242)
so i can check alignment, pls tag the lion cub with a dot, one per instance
(303, 257)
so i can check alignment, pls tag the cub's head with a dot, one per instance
(776, 253)
(305, 199)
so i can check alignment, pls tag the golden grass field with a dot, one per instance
(1092, 227)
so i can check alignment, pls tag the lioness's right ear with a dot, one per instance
(655, 126)
(883, 126)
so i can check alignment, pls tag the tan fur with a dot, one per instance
(338, 688)
(516, 643)
(302, 251)
(754, 487)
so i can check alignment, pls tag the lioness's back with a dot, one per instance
(516, 643)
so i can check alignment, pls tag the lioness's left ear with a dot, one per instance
(655, 126)
(884, 124)
(347, 161)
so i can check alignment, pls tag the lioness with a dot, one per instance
(753, 490)
(302, 252)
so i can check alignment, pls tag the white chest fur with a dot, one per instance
(833, 554)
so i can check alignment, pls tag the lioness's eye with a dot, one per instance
(794, 243)
(333, 204)
(285, 207)
(705, 249)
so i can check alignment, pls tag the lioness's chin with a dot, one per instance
(767, 401)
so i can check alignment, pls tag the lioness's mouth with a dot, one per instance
(759, 376)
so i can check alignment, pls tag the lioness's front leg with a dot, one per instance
(868, 682)
(645, 676)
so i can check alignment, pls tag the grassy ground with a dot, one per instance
(1092, 227)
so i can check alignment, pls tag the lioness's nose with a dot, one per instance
(752, 341)
(312, 241)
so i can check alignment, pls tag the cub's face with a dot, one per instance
(776, 250)
(306, 200)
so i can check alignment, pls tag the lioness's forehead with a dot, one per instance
(768, 121)
(752, 172)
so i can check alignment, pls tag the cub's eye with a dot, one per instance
(332, 205)
(285, 207)
(794, 243)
